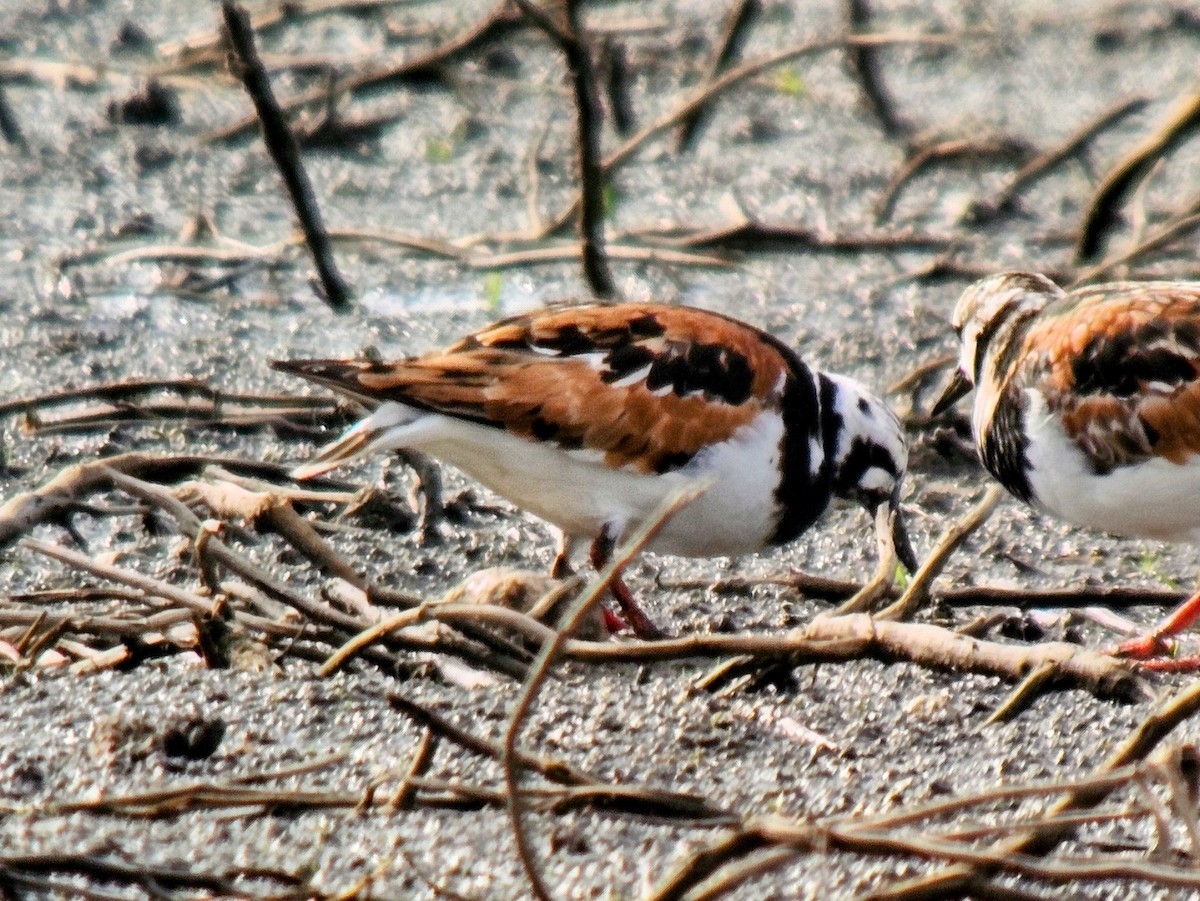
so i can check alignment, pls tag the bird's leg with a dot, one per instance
(1155, 643)
(426, 496)
(561, 567)
(642, 625)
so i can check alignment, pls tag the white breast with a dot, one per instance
(575, 491)
(1154, 499)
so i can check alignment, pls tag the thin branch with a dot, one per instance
(1103, 208)
(885, 571)
(864, 61)
(917, 592)
(9, 127)
(55, 499)
(950, 882)
(571, 41)
(282, 147)
(728, 50)
(705, 93)
(503, 17)
(954, 150)
(1180, 226)
(1045, 163)
(540, 668)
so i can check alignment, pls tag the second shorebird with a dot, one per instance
(592, 416)
(1087, 405)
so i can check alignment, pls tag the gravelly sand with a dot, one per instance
(796, 148)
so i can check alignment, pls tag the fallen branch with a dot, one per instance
(211, 551)
(859, 635)
(540, 669)
(864, 62)
(147, 586)
(134, 401)
(751, 235)
(1103, 209)
(951, 882)
(229, 254)
(884, 578)
(614, 73)
(826, 639)
(569, 37)
(1047, 162)
(704, 95)
(282, 147)
(955, 150)
(728, 50)
(503, 17)
(62, 74)
(1179, 226)
(917, 592)
(193, 48)
(645, 801)
(54, 501)
(763, 842)
(10, 128)
(153, 879)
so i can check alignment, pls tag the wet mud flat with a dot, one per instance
(146, 241)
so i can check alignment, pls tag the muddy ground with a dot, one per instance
(796, 146)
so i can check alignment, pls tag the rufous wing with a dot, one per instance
(646, 386)
(1119, 364)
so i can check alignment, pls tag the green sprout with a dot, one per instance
(787, 81)
(439, 149)
(493, 284)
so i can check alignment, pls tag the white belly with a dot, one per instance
(575, 491)
(1154, 499)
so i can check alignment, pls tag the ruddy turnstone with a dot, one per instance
(1087, 405)
(592, 416)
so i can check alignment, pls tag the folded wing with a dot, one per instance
(1119, 365)
(643, 386)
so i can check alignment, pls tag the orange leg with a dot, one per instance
(1156, 644)
(643, 627)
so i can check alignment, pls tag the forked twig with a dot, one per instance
(885, 571)
(917, 592)
(540, 668)
(1102, 210)
(950, 882)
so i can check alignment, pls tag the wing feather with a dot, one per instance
(646, 386)
(1119, 364)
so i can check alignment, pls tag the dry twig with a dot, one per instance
(503, 17)
(540, 669)
(917, 592)
(9, 127)
(282, 147)
(1102, 209)
(955, 150)
(1045, 163)
(568, 35)
(705, 93)
(728, 50)
(864, 62)
(952, 881)
(1179, 226)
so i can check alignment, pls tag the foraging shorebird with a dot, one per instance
(590, 417)
(1087, 405)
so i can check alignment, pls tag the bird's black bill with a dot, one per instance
(904, 549)
(959, 387)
